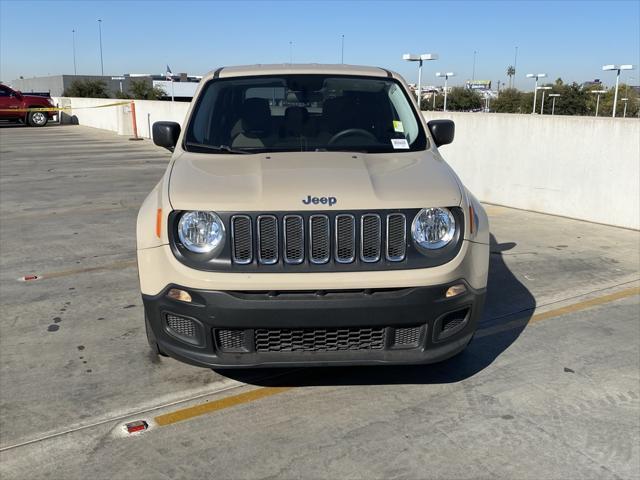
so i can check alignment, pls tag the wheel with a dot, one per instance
(37, 119)
(151, 338)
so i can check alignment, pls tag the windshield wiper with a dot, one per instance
(216, 148)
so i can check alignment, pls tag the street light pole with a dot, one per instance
(342, 51)
(624, 112)
(446, 78)
(553, 104)
(473, 74)
(75, 70)
(544, 89)
(515, 69)
(419, 58)
(617, 69)
(100, 33)
(535, 90)
(598, 93)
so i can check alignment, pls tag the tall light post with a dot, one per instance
(535, 90)
(75, 70)
(515, 69)
(553, 104)
(446, 78)
(290, 52)
(342, 50)
(100, 33)
(624, 112)
(598, 93)
(409, 57)
(544, 89)
(473, 73)
(617, 68)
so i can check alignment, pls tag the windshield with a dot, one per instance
(304, 113)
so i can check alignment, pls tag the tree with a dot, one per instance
(509, 101)
(87, 88)
(511, 71)
(463, 99)
(143, 90)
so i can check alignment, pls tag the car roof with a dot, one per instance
(305, 69)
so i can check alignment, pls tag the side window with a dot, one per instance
(4, 92)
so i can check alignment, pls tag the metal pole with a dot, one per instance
(553, 106)
(75, 71)
(473, 74)
(542, 104)
(290, 52)
(419, 84)
(615, 95)
(342, 53)
(434, 100)
(100, 33)
(445, 93)
(624, 112)
(535, 96)
(515, 64)
(597, 104)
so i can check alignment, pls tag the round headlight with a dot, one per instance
(433, 228)
(201, 232)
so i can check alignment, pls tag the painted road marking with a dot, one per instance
(228, 402)
(574, 307)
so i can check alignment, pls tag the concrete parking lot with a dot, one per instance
(549, 388)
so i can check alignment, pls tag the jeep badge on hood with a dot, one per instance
(331, 201)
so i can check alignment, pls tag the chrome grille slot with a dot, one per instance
(345, 232)
(370, 236)
(319, 242)
(241, 239)
(267, 239)
(396, 237)
(293, 239)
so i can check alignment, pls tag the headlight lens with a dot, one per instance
(201, 232)
(433, 228)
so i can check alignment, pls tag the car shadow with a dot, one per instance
(508, 308)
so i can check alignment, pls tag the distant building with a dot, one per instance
(591, 84)
(182, 86)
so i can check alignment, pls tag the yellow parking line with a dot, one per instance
(576, 307)
(197, 410)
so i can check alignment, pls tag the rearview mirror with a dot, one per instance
(442, 131)
(165, 134)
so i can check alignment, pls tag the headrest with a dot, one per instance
(294, 119)
(256, 116)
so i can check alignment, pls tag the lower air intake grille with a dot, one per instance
(406, 336)
(183, 327)
(319, 339)
(231, 340)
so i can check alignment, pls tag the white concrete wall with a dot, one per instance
(581, 167)
(119, 119)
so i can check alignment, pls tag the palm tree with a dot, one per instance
(511, 71)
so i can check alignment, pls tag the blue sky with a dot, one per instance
(570, 39)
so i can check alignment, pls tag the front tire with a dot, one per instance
(37, 119)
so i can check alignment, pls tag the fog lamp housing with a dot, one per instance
(455, 290)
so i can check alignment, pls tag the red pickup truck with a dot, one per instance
(13, 103)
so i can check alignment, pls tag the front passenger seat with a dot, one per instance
(255, 124)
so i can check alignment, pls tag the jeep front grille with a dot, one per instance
(318, 239)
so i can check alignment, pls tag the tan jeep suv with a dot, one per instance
(307, 217)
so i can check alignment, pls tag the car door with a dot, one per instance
(9, 101)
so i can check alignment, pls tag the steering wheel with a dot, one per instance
(352, 132)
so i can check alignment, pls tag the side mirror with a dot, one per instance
(442, 131)
(17, 94)
(165, 134)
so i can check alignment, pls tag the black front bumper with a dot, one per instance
(353, 327)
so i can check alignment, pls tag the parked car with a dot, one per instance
(293, 235)
(13, 104)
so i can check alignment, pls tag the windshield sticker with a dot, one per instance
(399, 143)
(397, 126)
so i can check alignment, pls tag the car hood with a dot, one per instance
(282, 181)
